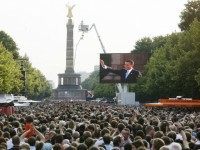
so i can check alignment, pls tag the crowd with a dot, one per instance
(78, 125)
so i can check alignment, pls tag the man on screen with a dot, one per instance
(128, 74)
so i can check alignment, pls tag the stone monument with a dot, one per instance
(69, 83)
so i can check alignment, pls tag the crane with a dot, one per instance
(85, 28)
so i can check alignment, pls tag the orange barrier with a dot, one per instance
(174, 103)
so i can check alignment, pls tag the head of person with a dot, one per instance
(47, 146)
(75, 135)
(89, 142)
(39, 145)
(57, 147)
(140, 133)
(128, 146)
(167, 140)
(150, 130)
(71, 148)
(158, 134)
(126, 133)
(29, 119)
(86, 135)
(25, 146)
(32, 141)
(172, 135)
(157, 143)
(59, 138)
(3, 146)
(104, 131)
(106, 139)
(175, 146)
(94, 148)
(138, 143)
(120, 127)
(117, 141)
(82, 146)
(164, 148)
(128, 64)
(16, 140)
(198, 135)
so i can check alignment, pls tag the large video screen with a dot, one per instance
(121, 67)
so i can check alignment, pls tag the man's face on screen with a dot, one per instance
(128, 65)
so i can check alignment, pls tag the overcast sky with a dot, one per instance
(39, 28)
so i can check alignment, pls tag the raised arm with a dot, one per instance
(39, 134)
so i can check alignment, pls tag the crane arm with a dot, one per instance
(102, 46)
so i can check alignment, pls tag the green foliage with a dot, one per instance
(37, 85)
(189, 64)
(160, 74)
(104, 90)
(9, 44)
(9, 72)
(100, 90)
(159, 42)
(173, 69)
(91, 81)
(149, 45)
(191, 12)
(144, 45)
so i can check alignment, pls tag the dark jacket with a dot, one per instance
(132, 77)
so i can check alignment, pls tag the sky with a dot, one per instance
(39, 28)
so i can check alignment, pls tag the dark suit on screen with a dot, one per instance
(131, 78)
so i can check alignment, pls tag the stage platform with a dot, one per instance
(173, 102)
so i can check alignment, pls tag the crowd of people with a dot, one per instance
(79, 125)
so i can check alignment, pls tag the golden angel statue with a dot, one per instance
(69, 15)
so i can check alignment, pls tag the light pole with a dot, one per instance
(23, 69)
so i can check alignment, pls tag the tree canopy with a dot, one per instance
(9, 72)
(100, 90)
(173, 69)
(189, 14)
(9, 44)
(13, 69)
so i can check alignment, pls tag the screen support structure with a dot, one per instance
(122, 88)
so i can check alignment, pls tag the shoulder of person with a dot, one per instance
(134, 70)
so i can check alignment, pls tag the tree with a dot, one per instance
(37, 86)
(149, 45)
(91, 81)
(191, 11)
(144, 45)
(99, 89)
(104, 90)
(158, 77)
(9, 44)
(189, 64)
(9, 72)
(173, 69)
(158, 42)
(12, 77)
